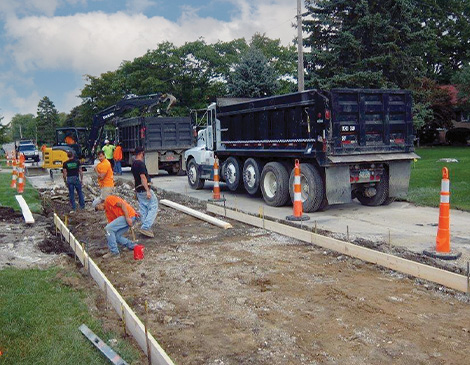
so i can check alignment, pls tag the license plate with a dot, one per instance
(364, 174)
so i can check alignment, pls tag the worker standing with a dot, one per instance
(121, 216)
(117, 156)
(148, 203)
(73, 178)
(105, 175)
(108, 150)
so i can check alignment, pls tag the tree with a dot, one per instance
(47, 121)
(364, 43)
(449, 24)
(253, 77)
(4, 131)
(462, 80)
(23, 126)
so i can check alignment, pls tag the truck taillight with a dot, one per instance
(327, 114)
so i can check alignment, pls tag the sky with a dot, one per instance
(47, 46)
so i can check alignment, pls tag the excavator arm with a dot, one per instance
(127, 103)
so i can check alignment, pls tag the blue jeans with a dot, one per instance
(114, 234)
(117, 167)
(148, 209)
(73, 183)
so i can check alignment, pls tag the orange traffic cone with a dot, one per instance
(216, 191)
(443, 250)
(13, 175)
(298, 216)
(21, 175)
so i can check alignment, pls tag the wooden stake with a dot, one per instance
(315, 227)
(149, 353)
(123, 313)
(347, 233)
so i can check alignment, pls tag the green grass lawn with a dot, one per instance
(7, 195)
(39, 321)
(426, 176)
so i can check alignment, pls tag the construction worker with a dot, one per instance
(117, 156)
(69, 139)
(148, 203)
(105, 175)
(73, 178)
(121, 216)
(108, 150)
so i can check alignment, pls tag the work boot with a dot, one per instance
(146, 232)
(111, 255)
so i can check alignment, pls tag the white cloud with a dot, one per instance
(139, 6)
(97, 42)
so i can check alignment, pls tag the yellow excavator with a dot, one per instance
(84, 141)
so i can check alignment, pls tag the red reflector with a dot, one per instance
(319, 115)
(357, 178)
(351, 179)
(372, 177)
(327, 114)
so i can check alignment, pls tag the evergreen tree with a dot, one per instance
(47, 121)
(364, 43)
(253, 77)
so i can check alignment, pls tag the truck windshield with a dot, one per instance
(27, 147)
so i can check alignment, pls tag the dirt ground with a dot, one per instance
(248, 296)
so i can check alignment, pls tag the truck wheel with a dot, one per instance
(275, 184)
(194, 178)
(232, 173)
(252, 175)
(311, 187)
(380, 196)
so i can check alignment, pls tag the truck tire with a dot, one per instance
(275, 184)
(381, 195)
(232, 173)
(311, 185)
(252, 175)
(194, 178)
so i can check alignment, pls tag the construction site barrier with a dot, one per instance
(13, 175)
(442, 250)
(21, 175)
(133, 324)
(297, 206)
(216, 191)
(416, 269)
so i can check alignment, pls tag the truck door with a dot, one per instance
(210, 128)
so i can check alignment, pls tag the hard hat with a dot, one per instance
(106, 141)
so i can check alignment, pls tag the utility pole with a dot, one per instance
(300, 51)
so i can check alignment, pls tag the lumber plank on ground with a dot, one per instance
(205, 217)
(413, 268)
(133, 323)
(28, 216)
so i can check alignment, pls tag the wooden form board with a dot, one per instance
(133, 323)
(416, 269)
(197, 214)
(28, 216)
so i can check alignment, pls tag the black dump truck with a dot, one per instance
(352, 143)
(163, 138)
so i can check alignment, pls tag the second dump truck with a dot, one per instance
(352, 143)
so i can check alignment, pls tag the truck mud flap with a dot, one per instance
(151, 161)
(399, 174)
(338, 186)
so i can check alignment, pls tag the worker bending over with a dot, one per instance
(121, 216)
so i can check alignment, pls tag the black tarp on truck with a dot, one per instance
(351, 142)
(163, 138)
